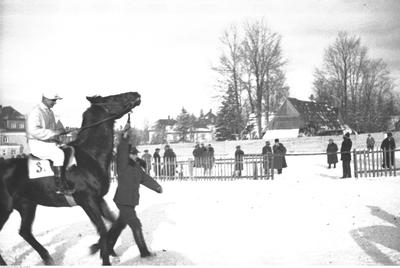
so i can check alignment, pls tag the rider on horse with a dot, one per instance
(43, 137)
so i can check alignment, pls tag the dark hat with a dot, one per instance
(276, 140)
(267, 142)
(238, 146)
(157, 149)
(146, 151)
(133, 150)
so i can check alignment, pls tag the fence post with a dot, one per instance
(255, 175)
(355, 163)
(190, 169)
(394, 162)
(373, 162)
(272, 166)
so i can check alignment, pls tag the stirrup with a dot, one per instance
(64, 191)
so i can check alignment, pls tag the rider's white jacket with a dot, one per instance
(41, 123)
(41, 129)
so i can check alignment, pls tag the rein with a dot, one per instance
(96, 123)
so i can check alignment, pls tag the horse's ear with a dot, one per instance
(93, 99)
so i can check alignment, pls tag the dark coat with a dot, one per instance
(331, 151)
(345, 149)
(388, 146)
(267, 150)
(239, 156)
(279, 156)
(197, 156)
(130, 176)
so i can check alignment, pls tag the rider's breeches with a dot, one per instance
(47, 150)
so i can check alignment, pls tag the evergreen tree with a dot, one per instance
(228, 125)
(184, 124)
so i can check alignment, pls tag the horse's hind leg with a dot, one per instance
(27, 211)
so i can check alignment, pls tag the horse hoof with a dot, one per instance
(112, 253)
(147, 255)
(49, 261)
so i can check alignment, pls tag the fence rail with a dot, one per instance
(367, 163)
(203, 168)
(374, 163)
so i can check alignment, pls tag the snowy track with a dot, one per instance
(307, 215)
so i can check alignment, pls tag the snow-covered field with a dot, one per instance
(305, 216)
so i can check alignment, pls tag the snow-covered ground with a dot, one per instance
(305, 216)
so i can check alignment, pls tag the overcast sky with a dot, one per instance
(165, 49)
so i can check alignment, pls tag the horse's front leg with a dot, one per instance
(27, 210)
(93, 210)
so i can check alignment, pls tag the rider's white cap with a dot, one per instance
(51, 95)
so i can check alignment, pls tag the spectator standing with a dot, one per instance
(279, 156)
(147, 158)
(345, 152)
(267, 156)
(239, 156)
(203, 155)
(209, 159)
(370, 142)
(169, 161)
(388, 146)
(331, 152)
(157, 162)
(197, 155)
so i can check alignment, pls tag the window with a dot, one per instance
(13, 124)
(5, 139)
(21, 125)
(13, 152)
(3, 152)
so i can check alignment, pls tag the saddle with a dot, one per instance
(39, 168)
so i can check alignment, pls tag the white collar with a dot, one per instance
(41, 105)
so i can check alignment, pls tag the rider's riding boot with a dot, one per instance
(61, 183)
(139, 239)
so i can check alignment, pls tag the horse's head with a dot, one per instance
(116, 105)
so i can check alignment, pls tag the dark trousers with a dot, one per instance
(346, 168)
(127, 216)
(279, 170)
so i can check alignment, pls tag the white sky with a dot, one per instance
(165, 49)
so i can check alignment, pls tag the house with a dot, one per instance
(12, 132)
(306, 118)
(203, 129)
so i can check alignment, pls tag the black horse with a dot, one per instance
(90, 177)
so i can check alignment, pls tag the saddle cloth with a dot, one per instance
(39, 168)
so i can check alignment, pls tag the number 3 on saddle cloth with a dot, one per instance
(39, 168)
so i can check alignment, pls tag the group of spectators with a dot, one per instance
(169, 160)
(388, 146)
(275, 154)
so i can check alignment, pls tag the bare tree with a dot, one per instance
(230, 70)
(262, 55)
(362, 85)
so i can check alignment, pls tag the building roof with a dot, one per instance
(296, 113)
(318, 113)
(9, 113)
(166, 122)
